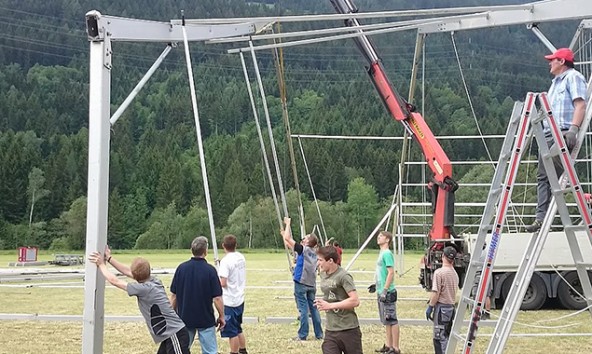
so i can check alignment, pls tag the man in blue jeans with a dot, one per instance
(193, 289)
(305, 276)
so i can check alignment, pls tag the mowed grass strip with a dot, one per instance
(269, 294)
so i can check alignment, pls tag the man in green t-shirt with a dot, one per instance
(342, 331)
(387, 294)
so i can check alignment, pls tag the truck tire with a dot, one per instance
(567, 297)
(536, 293)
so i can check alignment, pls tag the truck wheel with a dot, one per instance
(535, 296)
(567, 297)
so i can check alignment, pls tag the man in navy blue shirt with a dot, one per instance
(194, 288)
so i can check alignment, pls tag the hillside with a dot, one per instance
(156, 194)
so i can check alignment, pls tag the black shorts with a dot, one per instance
(178, 343)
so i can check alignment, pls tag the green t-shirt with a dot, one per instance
(385, 260)
(335, 287)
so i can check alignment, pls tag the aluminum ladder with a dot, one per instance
(493, 219)
(560, 186)
(524, 274)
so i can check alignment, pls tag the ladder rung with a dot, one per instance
(468, 300)
(587, 265)
(495, 192)
(458, 336)
(477, 263)
(487, 228)
(565, 190)
(580, 227)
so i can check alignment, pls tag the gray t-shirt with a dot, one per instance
(335, 287)
(161, 319)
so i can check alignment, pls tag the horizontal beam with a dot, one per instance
(359, 15)
(395, 28)
(362, 137)
(535, 12)
(78, 318)
(121, 29)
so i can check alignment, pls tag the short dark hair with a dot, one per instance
(229, 242)
(199, 246)
(328, 252)
(569, 64)
(387, 235)
(313, 241)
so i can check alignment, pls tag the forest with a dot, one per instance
(157, 197)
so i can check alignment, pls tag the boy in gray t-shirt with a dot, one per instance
(163, 323)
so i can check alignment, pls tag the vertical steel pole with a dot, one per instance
(98, 191)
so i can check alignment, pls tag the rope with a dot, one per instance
(314, 196)
(462, 76)
(262, 143)
(278, 54)
(269, 130)
(264, 153)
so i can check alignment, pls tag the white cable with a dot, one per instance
(269, 130)
(462, 76)
(261, 142)
(202, 158)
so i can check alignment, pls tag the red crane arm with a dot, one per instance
(442, 185)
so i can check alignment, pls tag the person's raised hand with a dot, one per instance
(96, 258)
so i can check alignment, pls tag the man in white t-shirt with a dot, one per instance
(233, 278)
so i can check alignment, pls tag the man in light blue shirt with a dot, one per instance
(567, 97)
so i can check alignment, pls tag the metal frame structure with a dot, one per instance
(102, 30)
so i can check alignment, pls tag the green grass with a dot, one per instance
(263, 269)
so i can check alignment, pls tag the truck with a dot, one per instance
(555, 276)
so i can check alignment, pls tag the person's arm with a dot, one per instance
(287, 234)
(435, 293)
(350, 303)
(219, 304)
(434, 296)
(579, 112)
(389, 278)
(97, 258)
(122, 268)
(223, 282)
(173, 300)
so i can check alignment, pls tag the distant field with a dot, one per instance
(269, 294)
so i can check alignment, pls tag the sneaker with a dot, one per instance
(384, 349)
(298, 339)
(536, 226)
(485, 316)
(393, 351)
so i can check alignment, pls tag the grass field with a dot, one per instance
(269, 294)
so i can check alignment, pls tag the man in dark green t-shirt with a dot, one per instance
(342, 331)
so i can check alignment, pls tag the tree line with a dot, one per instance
(156, 198)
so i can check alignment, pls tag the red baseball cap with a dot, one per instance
(561, 53)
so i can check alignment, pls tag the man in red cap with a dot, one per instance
(567, 96)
